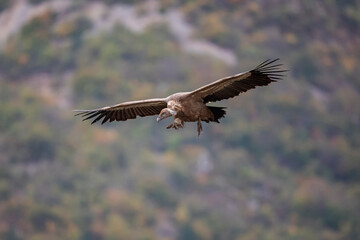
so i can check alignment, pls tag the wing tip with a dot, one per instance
(267, 62)
(272, 69)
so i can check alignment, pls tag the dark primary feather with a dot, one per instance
(123, 111)
(229, 87)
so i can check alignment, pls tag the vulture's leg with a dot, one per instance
(179, 123)
(176, 124)
(199, 126)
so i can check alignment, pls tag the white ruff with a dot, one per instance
(172, 112)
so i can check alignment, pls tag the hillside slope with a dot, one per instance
(283, 164)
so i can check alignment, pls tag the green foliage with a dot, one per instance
(35, 49)
(187, 232)
(88, 84)
(305, 67)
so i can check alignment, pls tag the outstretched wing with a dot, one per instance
(265, 73)
(124, 111)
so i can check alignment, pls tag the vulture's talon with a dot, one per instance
(175, 125)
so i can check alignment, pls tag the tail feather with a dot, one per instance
(218, 112)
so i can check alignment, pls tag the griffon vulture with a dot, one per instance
(190, 106)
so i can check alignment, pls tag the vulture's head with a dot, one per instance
(165, 113)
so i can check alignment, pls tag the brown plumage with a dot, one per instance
(190, 106)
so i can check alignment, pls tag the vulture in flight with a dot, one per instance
(190, 106)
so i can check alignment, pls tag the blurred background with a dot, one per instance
(283, 164)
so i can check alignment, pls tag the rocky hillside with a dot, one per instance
(283, 164)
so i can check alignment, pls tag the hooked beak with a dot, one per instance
(158, 119)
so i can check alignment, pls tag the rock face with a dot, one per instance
(13, 19)
(134, 17)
